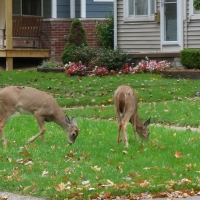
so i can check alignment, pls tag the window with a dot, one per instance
(139, 10)
(31, 7)
(194, 14)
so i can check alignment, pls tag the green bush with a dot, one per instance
(77, 35)
(190, 58)
(76, 38)
(105, 33)
(111, 59)
(81, 53)
(196, 4)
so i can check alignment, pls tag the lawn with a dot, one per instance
(96, 166)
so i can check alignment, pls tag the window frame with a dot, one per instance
(192, 15)
(134, 18)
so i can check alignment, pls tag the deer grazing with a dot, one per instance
(126, 106)
(41, 104)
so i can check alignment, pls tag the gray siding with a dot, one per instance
(98, 9)
(136, 36)
(191, 32)
(63, 9)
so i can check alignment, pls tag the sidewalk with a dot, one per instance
(11, 196)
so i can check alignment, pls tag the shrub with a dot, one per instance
(77, 35)
(110, 59)
(196, 4)
(190, 58)
(50, 64)
(105, 33)
(81, 53)
(76, 38)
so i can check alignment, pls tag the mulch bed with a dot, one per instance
(56, 70)
(181, 73)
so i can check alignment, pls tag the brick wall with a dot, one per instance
(54, 32)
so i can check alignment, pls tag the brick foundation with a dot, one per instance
(55, 30)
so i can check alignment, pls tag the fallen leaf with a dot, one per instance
(96, 168)
(60, 187)
(44, 173)
(107, 195)
(144, 184)
(85, 182)
(178, 154)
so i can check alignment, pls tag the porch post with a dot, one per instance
(9, 45)
(72, 9)
(83, 9)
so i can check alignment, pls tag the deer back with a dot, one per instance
(125, 99)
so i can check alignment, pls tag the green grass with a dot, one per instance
(38, 169)
(76, 91)
(96, 164)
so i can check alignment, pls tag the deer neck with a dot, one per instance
(60, 119)
(139, 122)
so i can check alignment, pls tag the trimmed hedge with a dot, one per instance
(190, 58)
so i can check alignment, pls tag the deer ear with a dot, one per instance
(147, 122)
(73, 121)
(67, 119)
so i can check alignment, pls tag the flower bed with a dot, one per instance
(144, 66)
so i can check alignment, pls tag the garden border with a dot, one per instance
(181, 73)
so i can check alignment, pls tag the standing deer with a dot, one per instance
(42, 105)
(126, 110)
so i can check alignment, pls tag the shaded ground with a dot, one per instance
(21, 63)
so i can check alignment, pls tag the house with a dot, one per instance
(57, 18)
(159, 29)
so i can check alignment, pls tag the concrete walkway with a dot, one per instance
(11, 196)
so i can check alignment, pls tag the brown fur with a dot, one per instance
(42, 105)
(126, 107)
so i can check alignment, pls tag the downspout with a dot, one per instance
(185, 44)
(115, 24)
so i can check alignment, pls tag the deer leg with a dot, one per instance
(134, 127)
(124, 133)
(124, 123)
(119, 130)
(119, 125)
(4, 142)
(40, 121)
(3, 121)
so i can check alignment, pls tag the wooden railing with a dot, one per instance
(26, 31)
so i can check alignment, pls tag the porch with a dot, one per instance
(8, 51)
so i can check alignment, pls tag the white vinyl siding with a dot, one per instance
(136, 36)
(192, 28)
